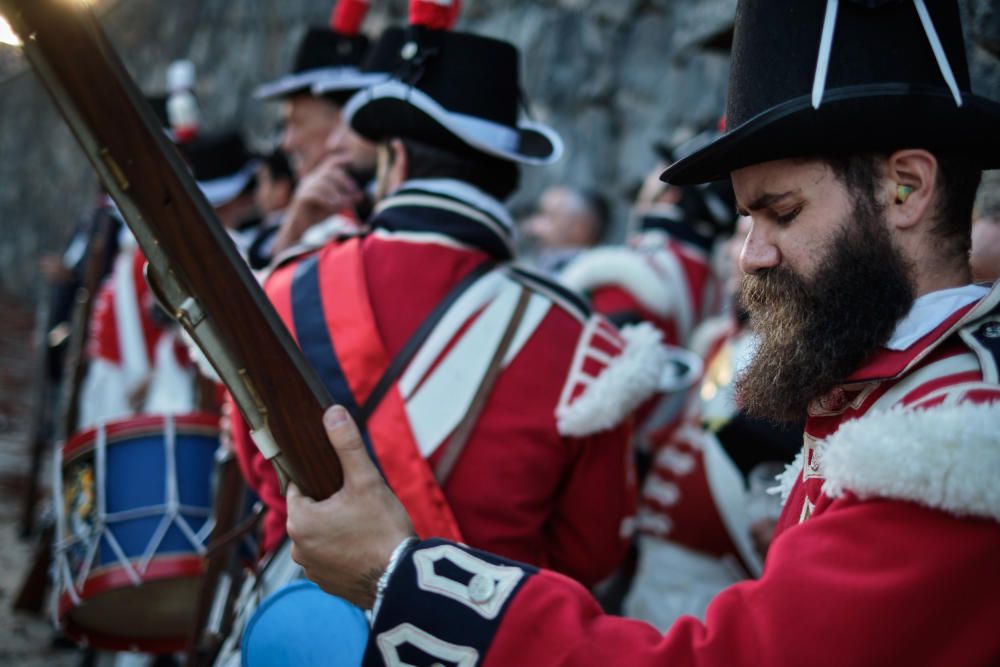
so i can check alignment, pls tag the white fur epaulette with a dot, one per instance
(945, 458)
(624, 383)
(626, 268)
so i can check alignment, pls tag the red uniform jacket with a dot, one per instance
(545, 477)
(886, 552)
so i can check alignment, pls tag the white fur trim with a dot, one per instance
(625, 268)
(628, 380)
(946, 458)
(787, 479)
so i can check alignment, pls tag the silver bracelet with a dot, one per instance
(383, 581)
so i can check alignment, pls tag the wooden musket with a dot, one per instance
(193, 265)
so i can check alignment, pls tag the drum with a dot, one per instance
(132, 524)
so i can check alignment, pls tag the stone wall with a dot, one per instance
(612, 75)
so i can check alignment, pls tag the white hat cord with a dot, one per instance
(826, 46)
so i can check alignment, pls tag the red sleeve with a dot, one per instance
(850, 587)
(589, 529)
(261, 478)
(864, 583)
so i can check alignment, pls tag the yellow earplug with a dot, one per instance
(902, 192)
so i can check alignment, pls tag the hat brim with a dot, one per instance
(336, 78)
(385, 109)
(344, 80)
(868, 118)
(219, 191)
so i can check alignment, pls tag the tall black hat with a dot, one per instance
(222, 165)
(332, 54)
(834, 76)
(450, 89)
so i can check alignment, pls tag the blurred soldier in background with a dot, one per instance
(663, 274)
(327, 190)
(65, 273)
(985, 255)
(274, 184)
(225, 170)
(566, 222)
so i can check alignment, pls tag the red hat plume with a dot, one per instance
(347, 16)
(435, 14)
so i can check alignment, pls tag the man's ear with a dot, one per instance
(911, 178)
(399, 162)
(391, 167)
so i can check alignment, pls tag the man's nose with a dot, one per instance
(758, 253)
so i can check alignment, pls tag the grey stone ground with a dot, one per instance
(25, 641)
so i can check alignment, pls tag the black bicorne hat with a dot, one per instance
(158, 103)
(453, 90)
(713, 202)
(323, 55)
(222, 165)
(814, 77)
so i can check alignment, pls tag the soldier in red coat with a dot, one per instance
(663, 273)
(496, 405)
(857, 157)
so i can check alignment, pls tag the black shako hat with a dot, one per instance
(323, 55)
(453, 90)
(837, 76)
(222, 165)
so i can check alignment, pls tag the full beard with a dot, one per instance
(812, 334)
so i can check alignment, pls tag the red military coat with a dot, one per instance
(886, 553)
(546, 475)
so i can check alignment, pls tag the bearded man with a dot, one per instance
(858, 284)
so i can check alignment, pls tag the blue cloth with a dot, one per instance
(303, 626)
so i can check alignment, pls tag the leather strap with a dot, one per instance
(453, 446)
(416, 340)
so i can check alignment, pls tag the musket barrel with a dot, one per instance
(195, 266)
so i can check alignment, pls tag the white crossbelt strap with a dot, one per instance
(132, 341)
(440, 401)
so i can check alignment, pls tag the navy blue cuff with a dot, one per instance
(443, 605)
